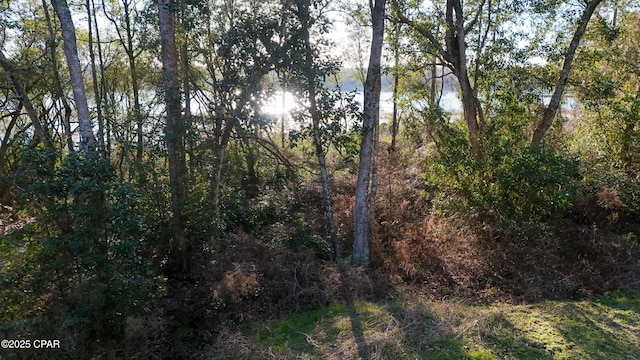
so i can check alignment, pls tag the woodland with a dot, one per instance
(174, 171)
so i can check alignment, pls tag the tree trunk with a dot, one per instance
(456, 55)
(362, 212)
(87, 140)
(283, 118)
(396, 81)
(94, 76)
(4, 145)
(554, 104)
(59, 93)
(221, 141)
(102, 89)
(18, 86)
(303, 16)
(137, 117)
(5, 182)
(137, 108)
(174, 135)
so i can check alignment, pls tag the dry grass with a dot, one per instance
(410, 327)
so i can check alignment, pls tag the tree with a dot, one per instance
(554, 104)
(316, 117)
(59, 92)
(127, 42)
(241, 53)
(18, 86)
(453, 52)
(473, 41)
(174, 134)
(364, 209)
(87, 140)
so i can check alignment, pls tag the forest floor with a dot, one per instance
(446, 296)
(411, 327)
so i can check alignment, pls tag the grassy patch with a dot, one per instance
(607, 327)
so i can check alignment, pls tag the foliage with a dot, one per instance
(83, 259)
(86, 243)
(338, 128)
(607, 134)
(512, 184)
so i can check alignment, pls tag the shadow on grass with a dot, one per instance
(457, 331)
(603, 329)
(356, 324)
(409, 327)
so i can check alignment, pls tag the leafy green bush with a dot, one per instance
(302, 236)
(82, 259)
(512, 183)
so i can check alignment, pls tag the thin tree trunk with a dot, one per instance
(174, 134)
(4, 146)
(303, 15)
(127, 44)
(396, 80)
(373, 192)
(222, 140)
(434, 81)
(66, 121)
(137, 107)
(87, 140)
(102, 89)
(554, 104)
(362, 212)
(5, 183)
(18, 86)
(283, 119)
(186, 83)
(94, 76)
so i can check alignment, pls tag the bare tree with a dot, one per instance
(127, 42)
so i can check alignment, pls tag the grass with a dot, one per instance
(409, 327)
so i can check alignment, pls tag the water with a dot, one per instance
(278, 105)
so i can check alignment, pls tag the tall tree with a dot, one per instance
(57, 82)
(395, 120)
(243, 53)
(87, 140)
(606, 82)
(554, 104)
(174, 134)
(94, 74)
(127, 41)
(316, 117)
(454, 54)
(365, 197)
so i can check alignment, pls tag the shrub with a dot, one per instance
(605, 196)
(512, 183)
(82, 260)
